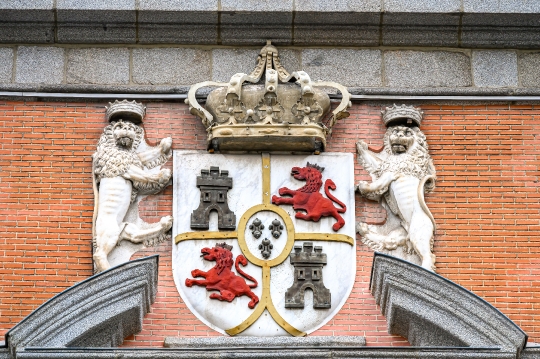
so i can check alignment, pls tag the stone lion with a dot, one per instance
(401, 174)
(120, 174)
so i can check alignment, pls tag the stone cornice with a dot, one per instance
(450, 23)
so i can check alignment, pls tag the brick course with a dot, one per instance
(485, 205)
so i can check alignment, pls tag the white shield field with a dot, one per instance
(255, 179)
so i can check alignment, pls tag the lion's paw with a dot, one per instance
(166, 222)
(362, 228)
(189, 282)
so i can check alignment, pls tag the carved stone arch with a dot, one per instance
(431, 311)
(97, 312)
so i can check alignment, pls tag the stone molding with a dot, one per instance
(463, 23)
(430, 310)
(97, 312)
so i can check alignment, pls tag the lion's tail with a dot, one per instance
(242, 260)
(329, 184)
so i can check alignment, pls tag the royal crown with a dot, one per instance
(402, 114)
(272, 116)
(126, 110)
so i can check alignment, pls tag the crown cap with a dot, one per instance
(403, 114)
(126, 110)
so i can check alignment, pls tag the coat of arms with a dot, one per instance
(264, 242)
(288, 264)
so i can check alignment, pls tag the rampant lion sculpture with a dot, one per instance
(120, 173)
(401, 173)
(309, 199)
(222, 278)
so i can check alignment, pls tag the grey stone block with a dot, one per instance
(420, 29)
(531, 353)
(227, 62)
(422, 6)
(262, 7)
(266, 342)
(500, 30)
(6, 64)
(427, 69)
(313, 28)
(16, 33)
(178, 27)
(345, 66)
(254, 28)
(98, 66)
(25, 5)
(39, 65)
(529, 69)
(96, 4)
(98, 312)
(178, 5)
(495, 68)
(178, 66)
(344, 6)
(96, 26)
(430, 310)
(497, 6)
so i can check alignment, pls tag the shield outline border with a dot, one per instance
(265, 302)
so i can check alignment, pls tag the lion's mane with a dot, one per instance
(415, 162)
(112, 160)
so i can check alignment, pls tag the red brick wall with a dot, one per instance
(486, 207)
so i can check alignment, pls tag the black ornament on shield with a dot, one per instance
(308, 263)
(266, 247)
(276, 228)
(256, 228)
(214, 186)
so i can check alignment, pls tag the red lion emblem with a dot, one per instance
(221, 278)
(309, 199)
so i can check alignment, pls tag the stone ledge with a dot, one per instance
(367, 23)
(263, 342)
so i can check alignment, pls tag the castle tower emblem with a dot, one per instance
(214, 186)
(308, 262)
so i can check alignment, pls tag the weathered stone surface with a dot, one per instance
(531, 353)
(500, 30)
(427, 69)
(178, 27)
(423, 6)
(39, 65)
(495, 68)
(343, 6)
(25, 5)
(345, 66)
(265, 353)
(254, 28)
(267, 342)
(336, 28)
(98, 66)
(227, 62)
(529, 68)
(430, 310)
(96, 26)
(6, 64)
(404, 29)
(178, 5)
(178, 66)
(97, 312)
(96, 4)
(496, 6)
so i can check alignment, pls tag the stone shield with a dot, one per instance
(285, 255)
